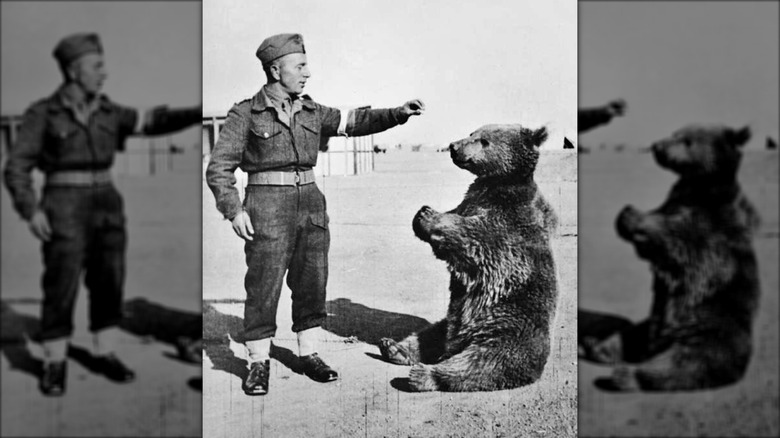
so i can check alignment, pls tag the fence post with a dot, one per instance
(170, 153)
(151, 156)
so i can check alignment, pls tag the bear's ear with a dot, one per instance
(539, 136)
(739, 137)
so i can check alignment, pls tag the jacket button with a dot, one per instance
(265, 135)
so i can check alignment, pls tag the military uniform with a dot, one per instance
(289, 219)
(75, 148)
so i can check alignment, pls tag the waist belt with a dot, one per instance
(278, 178)
(78, 178)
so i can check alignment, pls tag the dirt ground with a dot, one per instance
(383, 282)
(612, 279)
(164, 268)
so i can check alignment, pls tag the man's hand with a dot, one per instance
(242, 225)
(413, 108)
(617, 107)
(39, 225)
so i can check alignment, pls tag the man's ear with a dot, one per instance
(275, 72)
(539, 136)
(71, 70)
(739, 137)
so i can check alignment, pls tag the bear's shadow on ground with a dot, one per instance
(345, 319)
(178, 328)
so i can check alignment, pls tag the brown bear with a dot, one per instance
(503, 286)
(705, 279)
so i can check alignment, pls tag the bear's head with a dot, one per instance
(702, 150)
(499, 150)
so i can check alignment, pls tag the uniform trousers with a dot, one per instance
(291, 237)
(89, 237)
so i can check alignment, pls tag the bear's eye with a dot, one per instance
(484, 142)
(687, 142)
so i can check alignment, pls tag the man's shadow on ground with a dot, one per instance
(16, 330)
(345, 319)
(142, 318)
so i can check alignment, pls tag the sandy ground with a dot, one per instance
(383, 282)
(164, 268)
(612, 279)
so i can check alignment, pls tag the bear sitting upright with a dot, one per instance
(503, 286)
(705, 279)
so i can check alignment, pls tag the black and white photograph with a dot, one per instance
(678, 205)
(101, 257)
(389, 218)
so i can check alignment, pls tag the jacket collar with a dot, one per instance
(59, 100)
(261, 101)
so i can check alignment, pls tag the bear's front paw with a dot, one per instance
(421, 378)
(394, 352)
(423, 221)
(627, 222)
(608, 351)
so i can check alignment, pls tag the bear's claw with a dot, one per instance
(394, 353)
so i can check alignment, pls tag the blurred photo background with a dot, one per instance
(152, 53)
(675, 63)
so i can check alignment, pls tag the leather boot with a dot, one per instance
(317, 370)
(256, 382)
(53, 380)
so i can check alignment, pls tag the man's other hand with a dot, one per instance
(242, 225)
(39, 225)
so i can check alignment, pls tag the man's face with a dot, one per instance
(89, 72)
(293, 72)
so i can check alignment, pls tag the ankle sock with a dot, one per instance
(308, 341)
(259, 350)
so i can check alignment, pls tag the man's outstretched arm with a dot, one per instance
(164, 120)
(589, 118)
(365, 121)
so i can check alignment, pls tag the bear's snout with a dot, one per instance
(455, 150)
(659, 147)
(659, 152)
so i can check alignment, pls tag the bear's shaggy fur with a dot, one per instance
(503, 286)
(705, 279)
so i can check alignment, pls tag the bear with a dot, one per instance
(705, 277)
(503, 283)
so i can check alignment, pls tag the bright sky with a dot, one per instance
(152, 51)
(677, 63)
(472, 62)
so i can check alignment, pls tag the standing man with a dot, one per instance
(275, 137)
(72, 137)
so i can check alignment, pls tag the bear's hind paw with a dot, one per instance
(421, 378)
(394, 353)
(622, 380)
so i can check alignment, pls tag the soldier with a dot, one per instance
(72, 137)
(275, 137)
